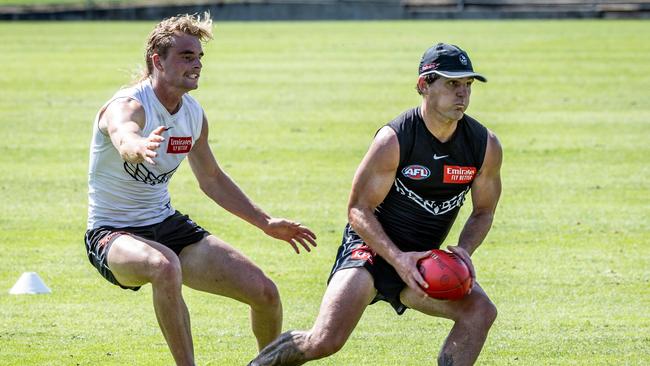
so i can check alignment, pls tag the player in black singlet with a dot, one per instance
(405, 197)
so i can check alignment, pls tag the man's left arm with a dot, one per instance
(217, 185)
(486, 190)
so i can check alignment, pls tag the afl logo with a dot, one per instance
(416, 172)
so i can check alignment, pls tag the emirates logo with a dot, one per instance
(458, 174)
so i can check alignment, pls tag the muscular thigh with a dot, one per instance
(133, 259)
(213, 266)
(453, 310)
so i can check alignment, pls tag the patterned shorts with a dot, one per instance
(175, 232)
(353, 253)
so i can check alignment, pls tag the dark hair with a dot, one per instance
(429, 79)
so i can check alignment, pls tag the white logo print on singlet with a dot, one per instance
(436, 157)
(431, 206)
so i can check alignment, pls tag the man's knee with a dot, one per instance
(267, 295)
(490, 312)
(166, 270)
(481, 313)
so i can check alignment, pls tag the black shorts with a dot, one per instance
(353, 253)
(175, 232)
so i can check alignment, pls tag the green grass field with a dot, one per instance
(293, 107)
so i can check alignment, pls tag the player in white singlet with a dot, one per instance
(135, 236)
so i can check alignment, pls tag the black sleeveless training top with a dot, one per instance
(431, 181)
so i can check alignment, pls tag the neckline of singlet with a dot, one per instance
(160, 107)
(433, 139)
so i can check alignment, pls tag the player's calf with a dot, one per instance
(297, 347)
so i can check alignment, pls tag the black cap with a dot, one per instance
(449, 61)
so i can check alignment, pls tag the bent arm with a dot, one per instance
(486, 190)
(217, 185)
(124, 120)
(372, 182)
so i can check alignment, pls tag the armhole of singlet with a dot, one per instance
(194, 110)
(400, 147)
(105, 107)
(413, 127)
(202, 117)
(395, 126)
(483, 146)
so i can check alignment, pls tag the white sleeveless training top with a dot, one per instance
(122, 194)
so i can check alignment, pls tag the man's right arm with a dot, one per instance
(123, 120)
(372, 182)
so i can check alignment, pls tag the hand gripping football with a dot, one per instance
(446, 274)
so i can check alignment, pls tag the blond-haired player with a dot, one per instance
(135, 236)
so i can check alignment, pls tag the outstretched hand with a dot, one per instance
(406, 266)
(292, 232)
(150, 144)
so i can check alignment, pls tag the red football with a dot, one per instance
(447, 275)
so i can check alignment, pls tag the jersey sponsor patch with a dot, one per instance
(455, 174)
(416, 172)
(179, 145)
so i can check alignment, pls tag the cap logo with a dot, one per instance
(430, 66)
(462, 59)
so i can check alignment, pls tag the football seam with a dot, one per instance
(460, 280)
